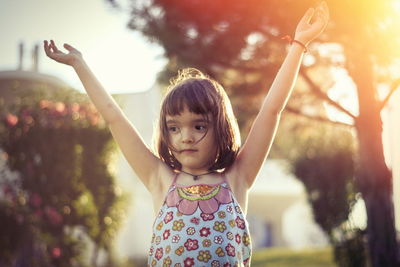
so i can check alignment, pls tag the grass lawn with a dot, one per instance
(282, 257)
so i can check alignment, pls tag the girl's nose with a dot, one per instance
(187, 137)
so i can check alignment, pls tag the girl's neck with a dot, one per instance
(207, 178)
(196, 174)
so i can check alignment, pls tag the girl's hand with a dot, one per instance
(69, 59)
(312, 23)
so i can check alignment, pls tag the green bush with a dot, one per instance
(64, 193)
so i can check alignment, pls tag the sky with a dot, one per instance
(122, 60)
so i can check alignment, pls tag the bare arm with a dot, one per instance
(261, 136)
(143, 161)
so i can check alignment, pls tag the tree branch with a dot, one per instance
(317, 118)
(395, 85)
(314, 88)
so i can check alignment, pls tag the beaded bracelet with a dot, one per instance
(291, 41)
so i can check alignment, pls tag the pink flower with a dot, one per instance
(56, 252)
(166, 234)
(45, 104)
(188, 262)
(238, 238)
(54, 217)
(168, 217)
(35, 200)
(205, 231)
(159, 253)
(11, 119)
(195, 220)
(206, 197)
(240, 222)
(230, 250)
(191, 244)
(207, 217)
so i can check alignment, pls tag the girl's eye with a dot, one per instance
(173, 129)
(200, 127)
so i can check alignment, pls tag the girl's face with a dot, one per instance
(192, 140)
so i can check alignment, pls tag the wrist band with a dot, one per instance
(291, 41)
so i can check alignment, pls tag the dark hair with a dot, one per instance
(202, 95)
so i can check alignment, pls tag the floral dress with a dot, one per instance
(200, 225)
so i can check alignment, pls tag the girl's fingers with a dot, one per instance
(68, 47)
(53, 45)
(307, 16)
(47, 48)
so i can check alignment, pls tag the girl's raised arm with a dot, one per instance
(256, 148)
(143, 161)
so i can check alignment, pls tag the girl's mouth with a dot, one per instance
(188, 151)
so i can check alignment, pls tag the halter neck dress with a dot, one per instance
(200, 225)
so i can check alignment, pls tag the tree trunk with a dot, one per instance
(373, 177)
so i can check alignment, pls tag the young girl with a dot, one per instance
(200, 176)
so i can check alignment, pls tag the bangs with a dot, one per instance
(195, 95)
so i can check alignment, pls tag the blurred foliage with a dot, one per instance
(283, 257)
(59, 203)
(324, 162)
(239, 42)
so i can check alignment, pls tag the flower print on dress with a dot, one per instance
(229, 235)
(230, 250)
(205, 231)
(238, 238)
(159, 253)
(191, 244)
(159, 226)
(195, 220)
(237, 208)
(246, 239)
(167, 262)
(204, 256)
(166, 234)
(219, 226)
(215, 263)
(168, 217)
(221, 214)
(206, 197)
(220, 252)
(151, 251)
(206, 243)
(179, 250)
(191, 231)
(218, 239)
(188, 262)
(229, 209)
(207, 217)
(175, 239)
(178, 225)
(240, 222)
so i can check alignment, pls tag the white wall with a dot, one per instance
(133, 240)
(391, 141)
